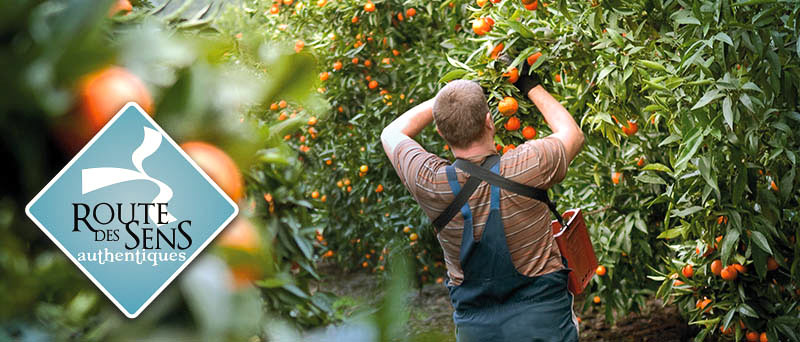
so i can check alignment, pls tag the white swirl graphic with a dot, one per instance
(101, 177)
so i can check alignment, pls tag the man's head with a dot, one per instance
(461, 113)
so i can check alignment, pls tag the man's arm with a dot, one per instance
(407, 126)
(560, 121)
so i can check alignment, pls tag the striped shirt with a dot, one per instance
(540, 163)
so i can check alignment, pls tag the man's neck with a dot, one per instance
(475, 150)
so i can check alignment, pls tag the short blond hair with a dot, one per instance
(459, 111)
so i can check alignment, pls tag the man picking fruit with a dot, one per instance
(506, 277)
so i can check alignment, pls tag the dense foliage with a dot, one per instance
(688, 176)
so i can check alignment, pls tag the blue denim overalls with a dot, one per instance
(494, 302)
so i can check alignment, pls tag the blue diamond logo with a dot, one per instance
(131, 210)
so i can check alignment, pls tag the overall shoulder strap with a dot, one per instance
(461, 198)
(507, 184)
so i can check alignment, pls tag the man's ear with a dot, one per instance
(489, 122)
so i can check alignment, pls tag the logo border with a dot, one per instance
(186, 263)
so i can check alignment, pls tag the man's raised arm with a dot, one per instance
(560, 121)
(407, 126)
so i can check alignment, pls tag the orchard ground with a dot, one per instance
(430, 311)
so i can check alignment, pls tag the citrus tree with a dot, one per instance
(688, 109)
(697, 172)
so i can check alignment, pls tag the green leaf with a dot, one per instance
(671, 233)
(689, 147)
(452, 75)
(650, 179)
(652, 65)
(727, 111)
(747, 310)
(724, 37)
(522, 29)
(760, 241)
(656, 167)
(709, 96)
(728, 242)
(686, 212)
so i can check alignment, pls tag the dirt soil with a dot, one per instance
(430, 312)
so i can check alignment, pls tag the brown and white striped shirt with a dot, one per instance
(540, 163)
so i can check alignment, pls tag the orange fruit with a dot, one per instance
(725, 331)
(275, 9)
(328, 254)
(364, 168)
(413, 237)
(508, 147)
(354, 20)
(323, 76)
(772, 264)
(481, 3)
(299, 45)
(677, 282)
(312, 121)
(558, 78)
(716, 267)
(315, 194)
(702, 304)
(240, 234)
(529, 132)
(244, 275)
(369, 6)
(273, 106)
(411, 12)
(533, 58)
(322, 3)
(396, 53)
(616, 177)
(513, 75)
(282, 104)
(640, 162)
(493, 53)
(532, 6)
(596, 299)
(367, 63)
(773, 186)
(379, 188)
(752, 336)
(406, 229)
(507, 106)
(373, 84)
(512, 124)
(282, 116)
(218, 166)
(740, 268)
(763, 337)
(721, 219)
(337, 65)
(688, 271)
(364, 264)
(400, 16)
(631, 128)
(601, 270)
(729, 273)
(120, 6)
(481, 26)
(323, 199)
(101, 95)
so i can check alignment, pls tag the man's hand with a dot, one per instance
(407, 126)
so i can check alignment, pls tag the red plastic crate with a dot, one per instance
(576, 247)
